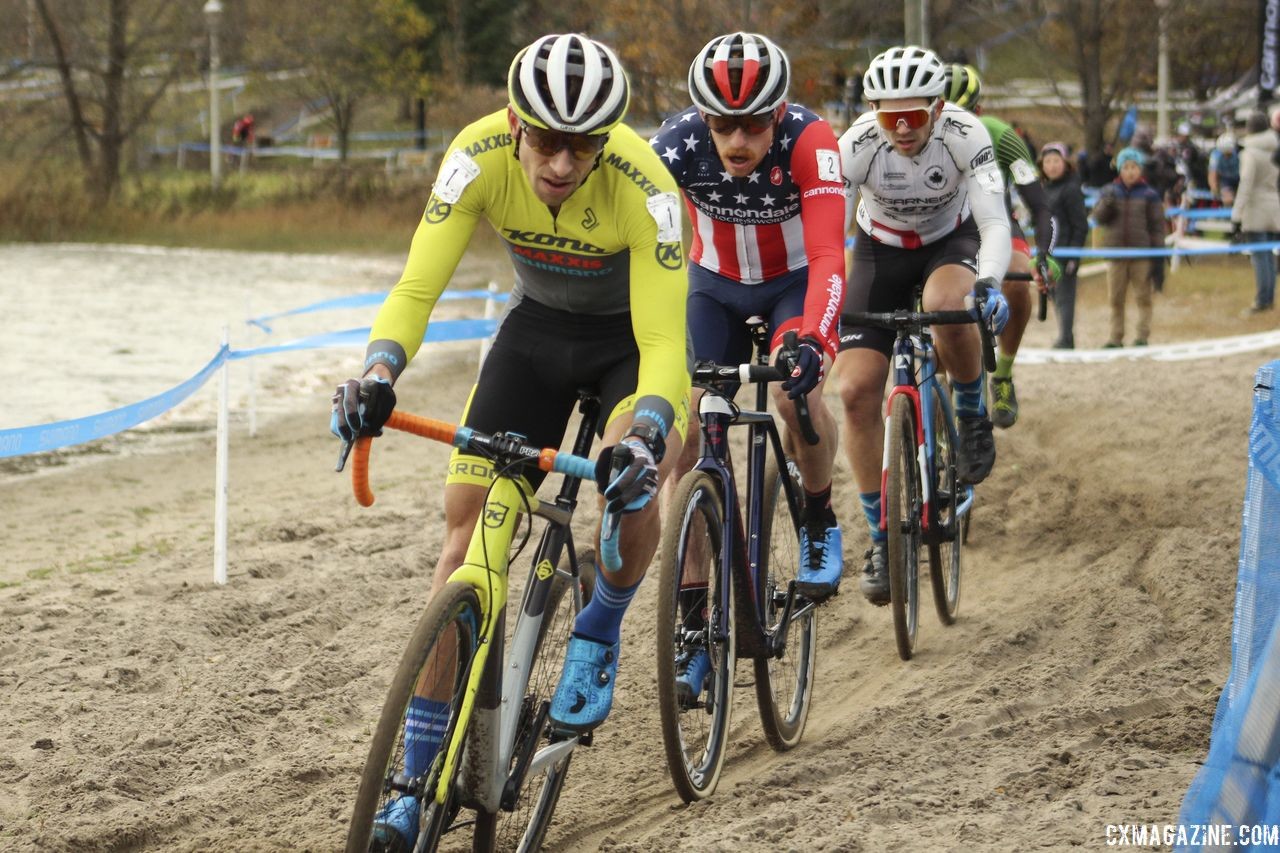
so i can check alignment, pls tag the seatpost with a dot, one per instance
(759, 328)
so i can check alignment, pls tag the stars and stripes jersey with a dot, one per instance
(910, 202)
(786, 215)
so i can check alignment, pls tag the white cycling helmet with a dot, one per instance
(1226, 143)
(739, 74)
(568, 83)
(905, 72)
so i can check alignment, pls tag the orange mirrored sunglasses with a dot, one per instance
(916, 117)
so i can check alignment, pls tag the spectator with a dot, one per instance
(853, 94)
(1192, 164)
(1256, 214)
(1097, 168)
(242, 130)
(1224, 169)
(1066, 201)
(1132, 213)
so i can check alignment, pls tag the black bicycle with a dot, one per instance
(922, 500)
(727, 589)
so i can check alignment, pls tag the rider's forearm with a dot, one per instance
(1046, 228)
(993, 229)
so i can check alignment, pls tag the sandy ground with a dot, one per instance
(146, 708)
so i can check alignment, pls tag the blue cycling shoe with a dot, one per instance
(395, 829)
(691, 676)
(585, 692)
(822, 564)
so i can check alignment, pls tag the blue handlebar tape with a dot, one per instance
(575, 466)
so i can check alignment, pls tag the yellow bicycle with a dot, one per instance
(489, 696)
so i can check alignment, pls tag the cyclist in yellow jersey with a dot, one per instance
(591, 220)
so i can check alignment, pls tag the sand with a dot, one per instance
(146, 708)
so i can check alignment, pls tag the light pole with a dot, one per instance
(1162, 71)
(213, 17)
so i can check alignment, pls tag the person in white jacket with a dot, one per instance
(1255, 216)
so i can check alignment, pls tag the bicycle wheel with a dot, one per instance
(525, 826)
(902, 507)
(946, 535)
(695, 728)
(441, 652)
(784, 685)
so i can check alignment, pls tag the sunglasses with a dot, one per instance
(916, 117)
(752, 125)
(549, 143)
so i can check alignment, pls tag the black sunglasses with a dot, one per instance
(549, 143)
(753, 125)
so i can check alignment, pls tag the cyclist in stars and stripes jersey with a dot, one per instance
(763, 190)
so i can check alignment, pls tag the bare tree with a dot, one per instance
(354, 49)
(113, 68)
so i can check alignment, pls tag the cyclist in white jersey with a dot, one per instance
(930, 211)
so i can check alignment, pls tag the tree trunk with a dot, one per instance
(111, 138)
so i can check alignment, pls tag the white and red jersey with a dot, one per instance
(909, 202)
(786, 215)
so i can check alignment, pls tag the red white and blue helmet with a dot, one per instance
(739, 74)
(568, 83)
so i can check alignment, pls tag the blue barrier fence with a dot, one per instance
(1239, 784)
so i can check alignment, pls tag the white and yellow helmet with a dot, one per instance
(568, 83)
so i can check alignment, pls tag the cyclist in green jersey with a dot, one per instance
(591, 220)
(964, 89)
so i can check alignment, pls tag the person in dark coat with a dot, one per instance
(1066, 202)
(1132, 216)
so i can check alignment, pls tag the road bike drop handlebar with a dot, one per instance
(706, 371)
(1043, 269)
(507, 448)
(504, 448)
(904, 319)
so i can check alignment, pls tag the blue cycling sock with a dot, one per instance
(871, 509)
(601, 619)
(424, 727)
(969, 402)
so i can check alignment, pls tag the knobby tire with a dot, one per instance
(944, 550)
(455, 614)
(902, 510)
(784, 685)
(694, 738)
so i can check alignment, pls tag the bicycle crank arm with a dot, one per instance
(511, 790)
(778, 642)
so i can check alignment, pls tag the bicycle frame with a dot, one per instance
(745, 561)
(489, 714)
(915, 376)
(498, 710)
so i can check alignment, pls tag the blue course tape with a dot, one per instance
(361, 300)
(1077, 252)
(1181, 251)
(437, 332)
(24, 440)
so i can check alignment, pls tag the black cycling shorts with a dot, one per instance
(885, 278)
(531, 375)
